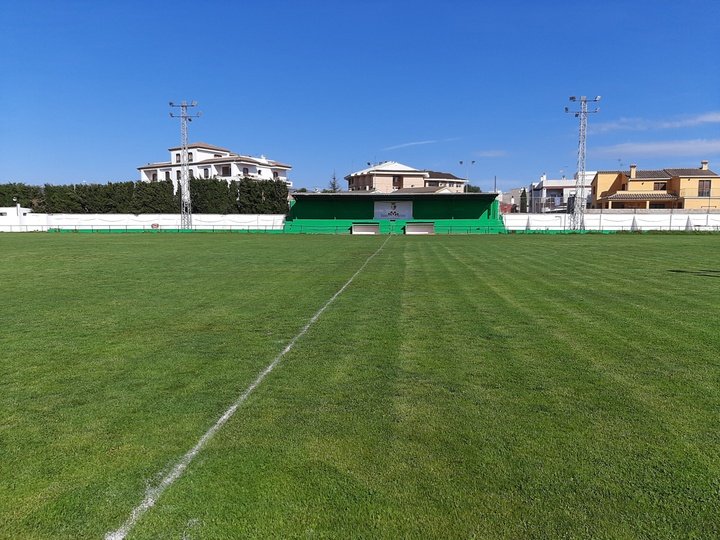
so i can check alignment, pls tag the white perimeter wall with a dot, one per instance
(655, 221)
(43, 222)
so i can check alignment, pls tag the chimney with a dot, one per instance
(633, 171)
(704, 165)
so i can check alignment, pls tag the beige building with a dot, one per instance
(391, 176)
(663, 188)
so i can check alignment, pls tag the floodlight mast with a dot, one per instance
(577, 219)
(185, 203)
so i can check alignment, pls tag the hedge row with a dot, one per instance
(209, 196)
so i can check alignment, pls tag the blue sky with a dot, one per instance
(329, 86)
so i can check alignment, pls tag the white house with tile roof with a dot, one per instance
(391, 176)
(209, 161)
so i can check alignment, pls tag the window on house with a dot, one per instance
(397, 181)
(623, 187)
(192, 174)
(177, 158)
(177, 175)
(660, 186)
(275, 175)
(154, 177)
(167, 175)
(246, 171)
(217, 155)
(259, 172)
(190, 156)
(206, 172)
(225, 171)
(704, 188)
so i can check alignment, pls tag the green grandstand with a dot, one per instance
(410, 212)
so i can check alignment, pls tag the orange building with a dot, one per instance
(662, 188)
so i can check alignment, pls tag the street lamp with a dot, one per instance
(467, 176)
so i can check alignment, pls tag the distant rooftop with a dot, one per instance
(386, 167)
(201, 145)
(389, 167)
(444, 176)
(665, 174)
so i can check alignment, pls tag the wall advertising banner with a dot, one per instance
(393, 209)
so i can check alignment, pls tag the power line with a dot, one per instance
(185, 203)
(577, 220)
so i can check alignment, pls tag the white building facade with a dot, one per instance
(548, 195)
(209, 161)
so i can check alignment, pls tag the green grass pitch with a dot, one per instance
(461, 387)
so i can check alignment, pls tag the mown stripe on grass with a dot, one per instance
(154, 493)
(623, 402)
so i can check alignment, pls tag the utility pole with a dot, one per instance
(577, 220)
(185, 203)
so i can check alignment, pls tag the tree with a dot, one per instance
(27, 196)
(211, 196)
(155, 198)
(95, 198)
(334, 186)
(262, 196)
(523, 201)
(121, 195)
(472, 189)
(62, 200)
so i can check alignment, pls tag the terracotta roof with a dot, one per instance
(661, 174)
(159, 165)
(444, 175)
(691, 172)
(227, 159)
(241, 159)
(629, 196)
(664, 173)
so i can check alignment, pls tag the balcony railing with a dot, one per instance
(700, 192)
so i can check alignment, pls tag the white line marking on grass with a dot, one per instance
(153, 493)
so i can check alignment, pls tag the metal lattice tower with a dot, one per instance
(185, 203)
(577, 220)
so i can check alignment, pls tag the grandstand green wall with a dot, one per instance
(462, 213)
